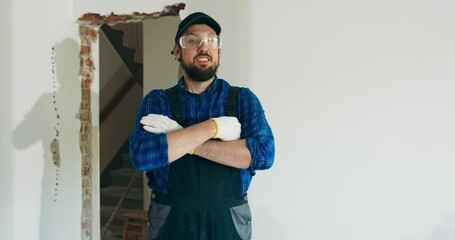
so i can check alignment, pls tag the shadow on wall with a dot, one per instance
(50, 120)
(445, 230)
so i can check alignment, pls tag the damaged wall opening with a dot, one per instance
(133, 59)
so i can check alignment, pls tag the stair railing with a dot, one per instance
(119, 204)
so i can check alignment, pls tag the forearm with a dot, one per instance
(147, 151)
(182, 141)
(231, 153)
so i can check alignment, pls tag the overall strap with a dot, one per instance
(232, 102)
(175, 104)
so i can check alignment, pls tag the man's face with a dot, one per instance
(200, 63)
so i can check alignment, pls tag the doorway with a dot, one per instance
(124, 80)
(127, 93)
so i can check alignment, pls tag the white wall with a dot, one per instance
(359, 95)
(5, 120)
(29, 30)
(31, 175)
(160, 67)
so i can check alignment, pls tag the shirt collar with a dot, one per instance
(213, 88)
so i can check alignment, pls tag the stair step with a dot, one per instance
(113, 34)
(116, 225)
(117, 191)
(122, 176)
(126, 53)
(113, 234)
(115, 230)
(112, 202)
(106, 212)
(110, 196)
(127, 161)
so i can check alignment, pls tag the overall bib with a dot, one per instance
(204, 200)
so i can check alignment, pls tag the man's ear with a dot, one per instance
(177, 52)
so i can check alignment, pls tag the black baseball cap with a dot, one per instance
(197, 18)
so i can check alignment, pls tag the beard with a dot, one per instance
(198, 74)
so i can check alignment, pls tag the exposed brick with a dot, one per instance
(88, 32)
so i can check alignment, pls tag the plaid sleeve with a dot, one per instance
(149, 151)
(256, 131)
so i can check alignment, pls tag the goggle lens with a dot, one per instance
(194, 41)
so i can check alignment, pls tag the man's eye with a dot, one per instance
(192, 41)
(212, 42)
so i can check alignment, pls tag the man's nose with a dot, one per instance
(203, 46)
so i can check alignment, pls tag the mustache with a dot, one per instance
(204, 55)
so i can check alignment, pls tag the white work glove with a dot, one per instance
(155, 123)
(227, 128)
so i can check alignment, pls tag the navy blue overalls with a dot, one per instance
(204, 200)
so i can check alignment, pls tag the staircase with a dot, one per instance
(126, 53)
(110, 196)
(116, 119)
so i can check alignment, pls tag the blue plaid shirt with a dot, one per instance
(149, 152)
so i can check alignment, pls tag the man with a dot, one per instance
(200, 143)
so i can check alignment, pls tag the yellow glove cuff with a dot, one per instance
(216, 125)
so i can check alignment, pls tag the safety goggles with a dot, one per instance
(194, 41)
